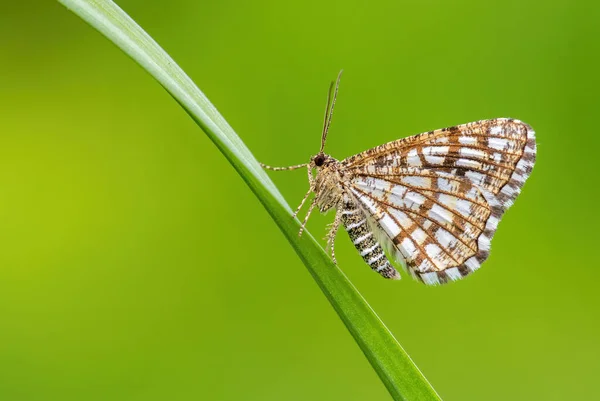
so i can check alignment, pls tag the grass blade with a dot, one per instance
(400, 375)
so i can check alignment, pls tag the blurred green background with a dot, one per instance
(136, 265)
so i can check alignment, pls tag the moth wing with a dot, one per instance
(439, 226)
(496, 155)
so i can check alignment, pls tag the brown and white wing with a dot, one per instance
(496, 155)
(438, 196)
(439, 226)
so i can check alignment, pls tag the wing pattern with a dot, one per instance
(438, 196)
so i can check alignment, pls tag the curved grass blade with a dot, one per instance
(398, 372)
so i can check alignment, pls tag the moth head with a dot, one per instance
(321, 160)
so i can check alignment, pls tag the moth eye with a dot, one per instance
(319, 160)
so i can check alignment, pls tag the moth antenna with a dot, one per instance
(329, 109)
(324, 133)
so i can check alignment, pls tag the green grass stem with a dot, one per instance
(398, 372)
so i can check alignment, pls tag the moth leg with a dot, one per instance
(310, 209)
(297, 166)
(310, 190)
(311, 182)
(333, 228)
(311, 179)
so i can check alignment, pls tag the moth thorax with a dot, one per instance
(328, 189)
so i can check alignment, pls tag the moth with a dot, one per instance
(433, 201)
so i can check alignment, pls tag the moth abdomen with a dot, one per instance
(355, 222)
